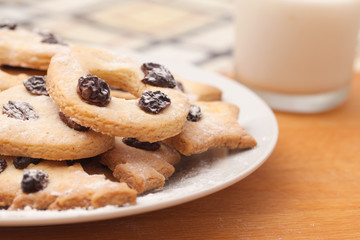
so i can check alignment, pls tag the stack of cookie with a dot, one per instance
(95, 107)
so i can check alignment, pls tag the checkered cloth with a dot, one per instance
(199, 32)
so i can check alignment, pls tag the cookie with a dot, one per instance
(23, 48)
(74, 83)
(142, 170)
(30, 126)
(211, 125)
(57, 186)
(200, 91)
(12, 76)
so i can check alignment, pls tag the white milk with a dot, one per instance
(296, 46)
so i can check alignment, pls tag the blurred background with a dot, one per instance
(199, 32)
(196, 31)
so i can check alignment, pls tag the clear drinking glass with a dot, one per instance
(297, 54)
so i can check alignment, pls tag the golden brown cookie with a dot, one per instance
(142, 170)
(68, 83)
(57, 186)
(12, 76)
(23, 48)
(216, 126)
(30, 126)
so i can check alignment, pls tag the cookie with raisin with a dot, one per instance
(211, 125)
(79, 80)
(30, 126)
(28, 49)
(54, 185)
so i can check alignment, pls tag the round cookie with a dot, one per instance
(22, 48)
(120, 117)
(11, 76)
(30, 126)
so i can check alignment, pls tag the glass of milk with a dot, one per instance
(297, 54)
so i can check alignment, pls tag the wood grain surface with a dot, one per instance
(308, 189)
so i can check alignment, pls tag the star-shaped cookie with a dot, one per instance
(142, 170)
(218, 127)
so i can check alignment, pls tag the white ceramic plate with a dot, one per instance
(196, 176)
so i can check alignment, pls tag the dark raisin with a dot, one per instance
(157, 75)
(34, 181)
(23, 162)
(8, 25)
(94, 90)
(133, 142)
(180, 86)
(71, 123)
(3, 164)
(19, 110)
(36, 85)
(50, 38)
(153, 102)
(194, 113)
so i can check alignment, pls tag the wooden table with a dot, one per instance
(308, 189)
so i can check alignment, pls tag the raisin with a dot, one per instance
(19, 110)
(34, 181)
(71, 123)
(133, 142)
(94, 90)
(153, 102)
(3, 164)
(50, 38)
(23, 162)
(36, 85)
(9, 25)
(194, 113)
(157, 75)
